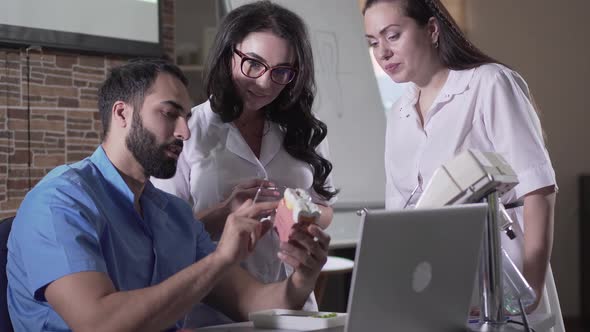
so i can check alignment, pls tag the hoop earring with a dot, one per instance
(436, 44)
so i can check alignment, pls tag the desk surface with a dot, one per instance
(538, 322)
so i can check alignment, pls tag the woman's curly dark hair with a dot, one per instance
(291, 110)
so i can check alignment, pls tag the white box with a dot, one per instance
(296, 319)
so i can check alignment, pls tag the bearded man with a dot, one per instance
(96, 247)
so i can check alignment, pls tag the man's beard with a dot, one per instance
(152, 157)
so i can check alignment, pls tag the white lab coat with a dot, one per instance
(216, 158)
(487, 108)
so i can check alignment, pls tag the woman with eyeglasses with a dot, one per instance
(256, 134)
(460, 98)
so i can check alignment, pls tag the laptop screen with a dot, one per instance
(415, 269)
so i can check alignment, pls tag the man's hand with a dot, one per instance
(306, 252)
(243, 229)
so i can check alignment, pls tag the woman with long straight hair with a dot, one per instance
(460, 98)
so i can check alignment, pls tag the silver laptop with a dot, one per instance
(415, 269)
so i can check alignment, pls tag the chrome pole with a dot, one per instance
(491, 282)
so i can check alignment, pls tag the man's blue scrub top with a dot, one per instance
(80, 217)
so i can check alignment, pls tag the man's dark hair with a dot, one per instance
(130, 83)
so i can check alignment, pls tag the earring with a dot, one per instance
(436, 44)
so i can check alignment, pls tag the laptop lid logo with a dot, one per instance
(421, 277)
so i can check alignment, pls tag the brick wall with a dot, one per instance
(65, 126)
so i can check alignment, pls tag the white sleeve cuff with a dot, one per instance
(534, 178)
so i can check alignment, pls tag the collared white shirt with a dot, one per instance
(216, 158)
(487, 108)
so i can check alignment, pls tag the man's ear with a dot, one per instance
(121, 114)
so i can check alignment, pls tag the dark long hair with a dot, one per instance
(291, 110)
(455, 50)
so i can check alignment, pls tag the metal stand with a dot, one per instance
(491, 283)
(490, 274)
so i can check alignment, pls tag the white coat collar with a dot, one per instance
(271, 141)
(457, 83)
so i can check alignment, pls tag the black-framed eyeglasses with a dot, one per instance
(253, 68)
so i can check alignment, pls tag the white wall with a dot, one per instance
(128, 19)
(547, 42)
